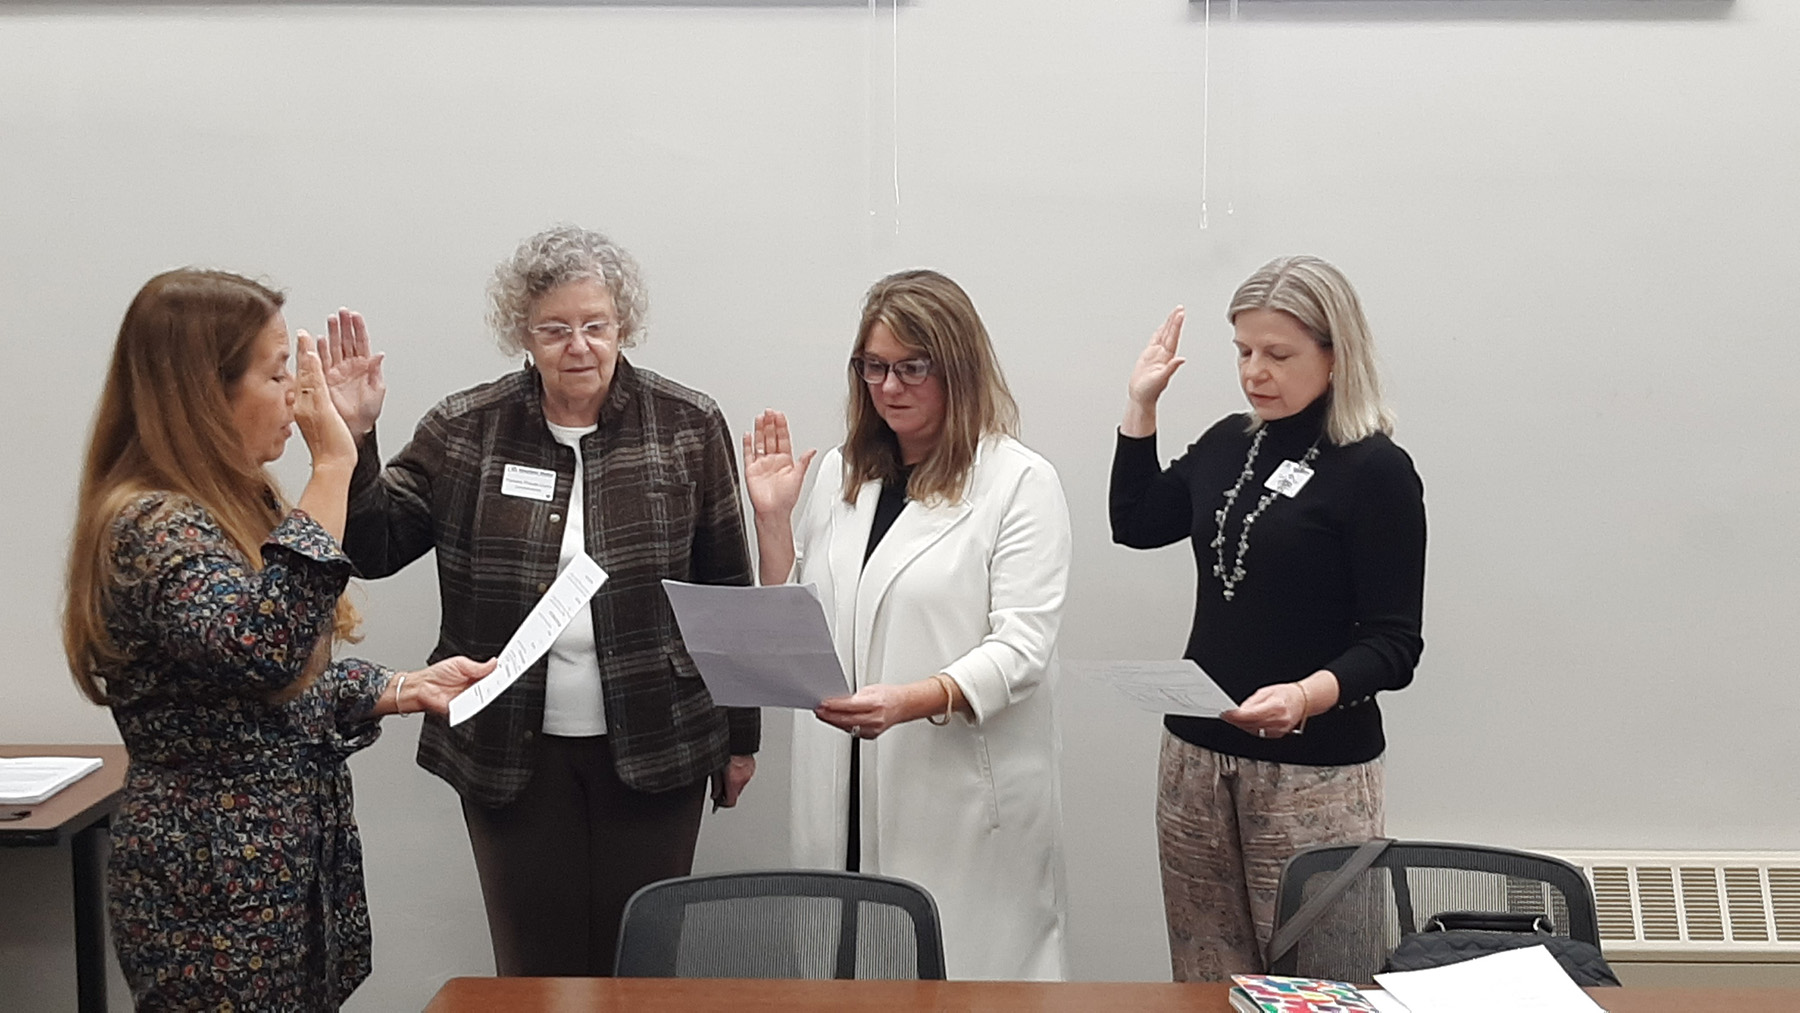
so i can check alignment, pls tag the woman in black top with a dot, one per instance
(1308, 529)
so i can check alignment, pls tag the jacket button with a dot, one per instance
(542, 587)
(556, 518)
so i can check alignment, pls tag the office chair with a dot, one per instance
(781, 924)
(1406, 886)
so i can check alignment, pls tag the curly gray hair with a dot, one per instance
(556, 256)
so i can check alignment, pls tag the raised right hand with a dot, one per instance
(327, 437)
(352, 372)
(1158, 362)
(772, 475)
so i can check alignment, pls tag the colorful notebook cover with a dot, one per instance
(1273, 994)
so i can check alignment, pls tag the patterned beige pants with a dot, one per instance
(1224, 826)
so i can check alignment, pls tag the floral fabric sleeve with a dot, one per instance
(341, 704)
(186, 587)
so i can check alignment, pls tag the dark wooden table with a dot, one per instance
(655, 995)
(77, 814)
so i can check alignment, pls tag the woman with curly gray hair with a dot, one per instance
(585, 780)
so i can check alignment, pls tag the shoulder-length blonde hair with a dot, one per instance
(164, 423)
(931, 314)
(1320, 297)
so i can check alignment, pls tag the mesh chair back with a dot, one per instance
(784, 924)
(1409, 883)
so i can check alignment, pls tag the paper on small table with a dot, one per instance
(1511, 981)
(1165, 687)
(567, 596)
(28, 780)
(758, 646)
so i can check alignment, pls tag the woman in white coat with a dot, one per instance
(940, 548)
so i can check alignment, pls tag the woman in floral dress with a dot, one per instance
(202, 610)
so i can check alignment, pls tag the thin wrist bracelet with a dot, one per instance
(949, 700)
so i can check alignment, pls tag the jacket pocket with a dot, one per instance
(985, 766)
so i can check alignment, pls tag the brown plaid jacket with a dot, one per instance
(662, 501)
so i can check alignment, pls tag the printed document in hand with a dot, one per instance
(566, 597)
(758, 646)
(1511, 981)
(28, 780)
(1165, 687)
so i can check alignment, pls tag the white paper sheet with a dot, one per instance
(1511, 981)
(1382, 1001)
(1164, 687)
(28, 780)
(758, 646)
(567, 596)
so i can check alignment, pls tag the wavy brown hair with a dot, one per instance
(164, 423)
(932, 315)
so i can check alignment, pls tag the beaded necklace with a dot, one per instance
(1236, 576)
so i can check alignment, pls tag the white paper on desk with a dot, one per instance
(1165, 687)
(567, 596)
(28, 780)
(1382, 1001)
(758, 646)
(1511, 981)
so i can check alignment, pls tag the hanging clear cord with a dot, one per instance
(871, 60)
(1206, 111)
(896, 139)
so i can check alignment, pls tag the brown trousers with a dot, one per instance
(1224, 826)
(558, 863)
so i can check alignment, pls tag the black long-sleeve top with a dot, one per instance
(1334, 577)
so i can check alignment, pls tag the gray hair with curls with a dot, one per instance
(557, 256)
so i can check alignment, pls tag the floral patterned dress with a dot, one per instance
(236, 873)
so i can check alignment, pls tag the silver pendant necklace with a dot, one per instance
(1236, 576)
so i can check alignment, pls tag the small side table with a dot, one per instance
(78, 814)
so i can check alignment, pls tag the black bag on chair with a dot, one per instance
(1454, 936)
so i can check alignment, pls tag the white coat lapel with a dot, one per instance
(916, 529)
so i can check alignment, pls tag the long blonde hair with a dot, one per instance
(931, 314)
(164, 423)
(1318, 295)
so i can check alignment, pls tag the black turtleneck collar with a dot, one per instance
(1302, 426)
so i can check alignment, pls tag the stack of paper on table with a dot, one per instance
(28, 780)
(1512, 981)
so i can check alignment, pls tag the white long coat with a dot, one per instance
(971, 810)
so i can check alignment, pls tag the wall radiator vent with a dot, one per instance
(1696, 905)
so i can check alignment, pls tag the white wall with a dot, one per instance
(1573, 223)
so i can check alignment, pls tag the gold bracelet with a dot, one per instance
(1305, 709)
(949, 700)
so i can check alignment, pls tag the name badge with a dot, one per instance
(1288, 479)
(529, 483)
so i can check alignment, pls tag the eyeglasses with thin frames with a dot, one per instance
(874, 372)
(555, 333)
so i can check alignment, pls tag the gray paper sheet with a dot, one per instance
(758, 646)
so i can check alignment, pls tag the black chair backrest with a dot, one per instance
(1411, 882)
(781, 924)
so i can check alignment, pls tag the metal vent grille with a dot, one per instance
(1696, 905)
(1784, 902)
